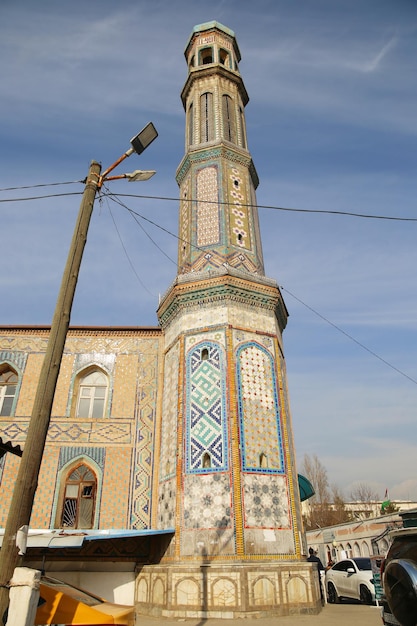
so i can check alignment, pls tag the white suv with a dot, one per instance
(351, 578)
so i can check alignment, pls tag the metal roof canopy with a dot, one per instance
(75, 538)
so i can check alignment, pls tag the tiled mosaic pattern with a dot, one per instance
(41, 510)
(168, 455)
(207, 501)
(16, 359)
(65, 431)
(185, 224)
(8, 480)
(114, 505)
(208, 226)
(265, 501)
(166, 504)
(143, 456)
(239, 223)
(205, 413)
(258, 410)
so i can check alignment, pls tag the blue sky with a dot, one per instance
(332, 126)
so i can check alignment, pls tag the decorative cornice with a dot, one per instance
(216, 150)
(76, 331)
(226, 288)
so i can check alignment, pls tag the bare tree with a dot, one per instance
(363, 492)
(315, 471)
(327, 506)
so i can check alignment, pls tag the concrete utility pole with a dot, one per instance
(27, 478)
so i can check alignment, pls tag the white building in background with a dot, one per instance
(363, 536)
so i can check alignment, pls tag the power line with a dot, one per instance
(343, 332)
(257, 206)
(71, 182)
(127, 255)
(133, 215)
(275, 208)
(350, 336)
(51, 195)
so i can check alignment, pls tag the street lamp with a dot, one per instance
(142, 140)
(139, 143)
(27, 477)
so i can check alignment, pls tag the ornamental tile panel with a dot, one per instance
(208, 224)
(167, 461)
(259, 412)
(266, 502)
(238, 210)
(205, 409)
(207, 501)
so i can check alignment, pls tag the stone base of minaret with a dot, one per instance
(228, 590)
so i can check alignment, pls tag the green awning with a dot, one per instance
(305, 487)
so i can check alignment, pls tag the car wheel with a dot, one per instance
(400, 584)
(332, 594)
(365, 595)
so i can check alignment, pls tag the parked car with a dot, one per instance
(351, 578)
(399, 577)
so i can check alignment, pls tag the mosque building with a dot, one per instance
(169, 473)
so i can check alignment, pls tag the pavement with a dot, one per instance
(344, 614)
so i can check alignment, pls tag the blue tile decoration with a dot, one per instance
(205, 409)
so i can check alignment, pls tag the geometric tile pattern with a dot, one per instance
(206, 424)
(207, 501)
(259, 413)
(208, 227)
(68, 453)
(77, 432)
(185, 212)
(167, 466)
(16, 358)
(239, 224)
(266, 501)
(143, 455)
(166, 504)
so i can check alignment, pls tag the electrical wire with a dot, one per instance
(322, 317)
(70, 182)
(127, 254)
(133, 215)
(396, 369)
(258, 206)
(275, 208)
(51, 195)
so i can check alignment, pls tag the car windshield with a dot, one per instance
(363, 564)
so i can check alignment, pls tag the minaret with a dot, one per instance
(226, 478)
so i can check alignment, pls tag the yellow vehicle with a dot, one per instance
(61, 603)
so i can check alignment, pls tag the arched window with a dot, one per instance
(8, 386)
(206, 56)
(224, 57)
(190, 125)
(206, 461)
(78, 504)
(229, 125)
(263, 460)
(206, 117)
(242, 128)
(92, 395)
